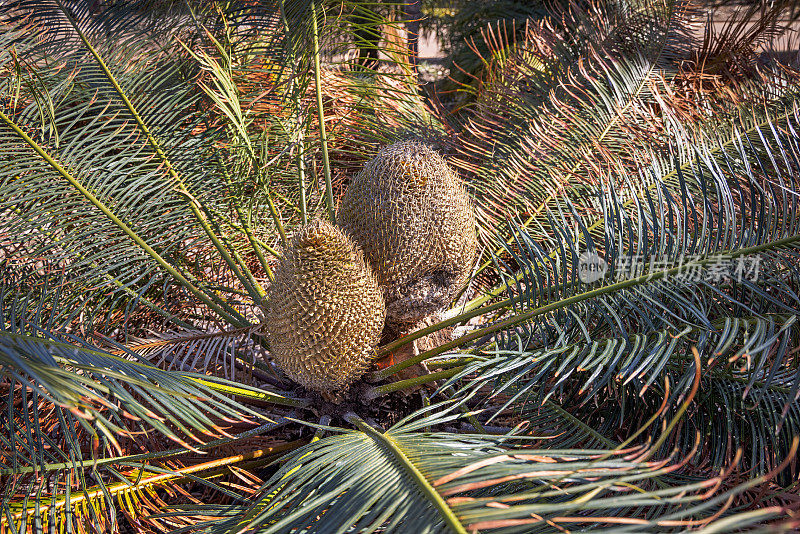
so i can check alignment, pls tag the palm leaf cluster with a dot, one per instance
(155, 156)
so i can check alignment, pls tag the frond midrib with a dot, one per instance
(574, 299)
(60, 502)
(127, 230)
(246, 278)
(599, 224)
(387, 443)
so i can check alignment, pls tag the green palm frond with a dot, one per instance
(137, 489)
(96, 188)
(72, 415)
(405, 479)
(701, 261)
(77, 379)
(273, 81)
(553, 118)
(577, 113)
(229, 354)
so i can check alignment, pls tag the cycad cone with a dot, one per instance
(326, 311)
(414, 220)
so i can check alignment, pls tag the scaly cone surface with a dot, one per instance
(326, 311)
(410, 213)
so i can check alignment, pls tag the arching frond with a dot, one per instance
(404, 479)
(559, 107)
(703, 260)
(77, 380)
(79, 425)
(221, 353)
(97, 176)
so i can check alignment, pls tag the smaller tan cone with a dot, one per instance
(326, 311)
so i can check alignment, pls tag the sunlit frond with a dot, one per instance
(404, 479)
(700, 261)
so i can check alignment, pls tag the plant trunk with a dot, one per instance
(412, 13)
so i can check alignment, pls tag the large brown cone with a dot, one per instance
(411, 215)
(326, 311)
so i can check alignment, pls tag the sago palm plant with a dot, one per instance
(623, 358)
